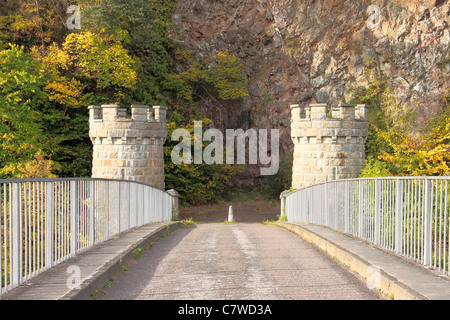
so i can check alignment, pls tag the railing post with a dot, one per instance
(283, 213)
(315, 215)
(142, 209)
(145, 205)
(16, 263)
(377, 211)
(128, 206)
(119, 206)
(360, 208)
(136, 206)
(2, 211)
(427, 224)
(336, 225)
(175, 196)
(73, 217)
(399, 216)
(303, 201)
(325, 202)
(346, 208)
(107, 190)
(49, 213)
(91, 211)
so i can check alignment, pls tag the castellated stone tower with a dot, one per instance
(128, 149)
(327, 148)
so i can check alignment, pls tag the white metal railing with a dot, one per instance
(46, 221)
(406, 215)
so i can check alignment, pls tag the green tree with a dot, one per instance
(196, 183)
(23, 104)
(219, 77)
(144, 27)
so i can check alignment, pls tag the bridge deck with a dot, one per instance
(235, 262)
(402, 278)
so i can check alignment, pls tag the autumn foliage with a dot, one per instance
(414, 157)
(392, 148)
(127, 52)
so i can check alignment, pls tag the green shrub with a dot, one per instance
(374, 168)
(196, 183)
(274, 185)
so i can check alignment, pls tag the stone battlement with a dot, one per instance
(138, 113)
(329, 143)
(110, 121)
(128, 148)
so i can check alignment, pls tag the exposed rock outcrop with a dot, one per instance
(307, 51)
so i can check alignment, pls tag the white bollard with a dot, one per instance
(230, 214)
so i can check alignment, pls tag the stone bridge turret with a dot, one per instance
(128, 148)
(328, 145)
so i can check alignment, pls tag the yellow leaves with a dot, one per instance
(419, 158)
(387, 157)
(221, 75)
(56, 59)
(227, 76)
(91, 56)
(64, 91)
(39, 167)
(442, 133)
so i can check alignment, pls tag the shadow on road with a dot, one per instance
(129, 284)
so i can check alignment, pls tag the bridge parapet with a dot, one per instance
(385, 211)
(128, 148)
(44, 222)
(328, 142)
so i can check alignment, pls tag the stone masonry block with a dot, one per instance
(95, 113)
(296, 111)
(160, 113)
(326, 132)
(332, 123)
(347, 111)
(321, 178)
(110, 112)
(305, 124)
(318, 108)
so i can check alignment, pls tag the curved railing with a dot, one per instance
(46, 221)
(406, 215)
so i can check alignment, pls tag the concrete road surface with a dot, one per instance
(234, 261)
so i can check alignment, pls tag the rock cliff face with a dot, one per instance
(314, 51)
